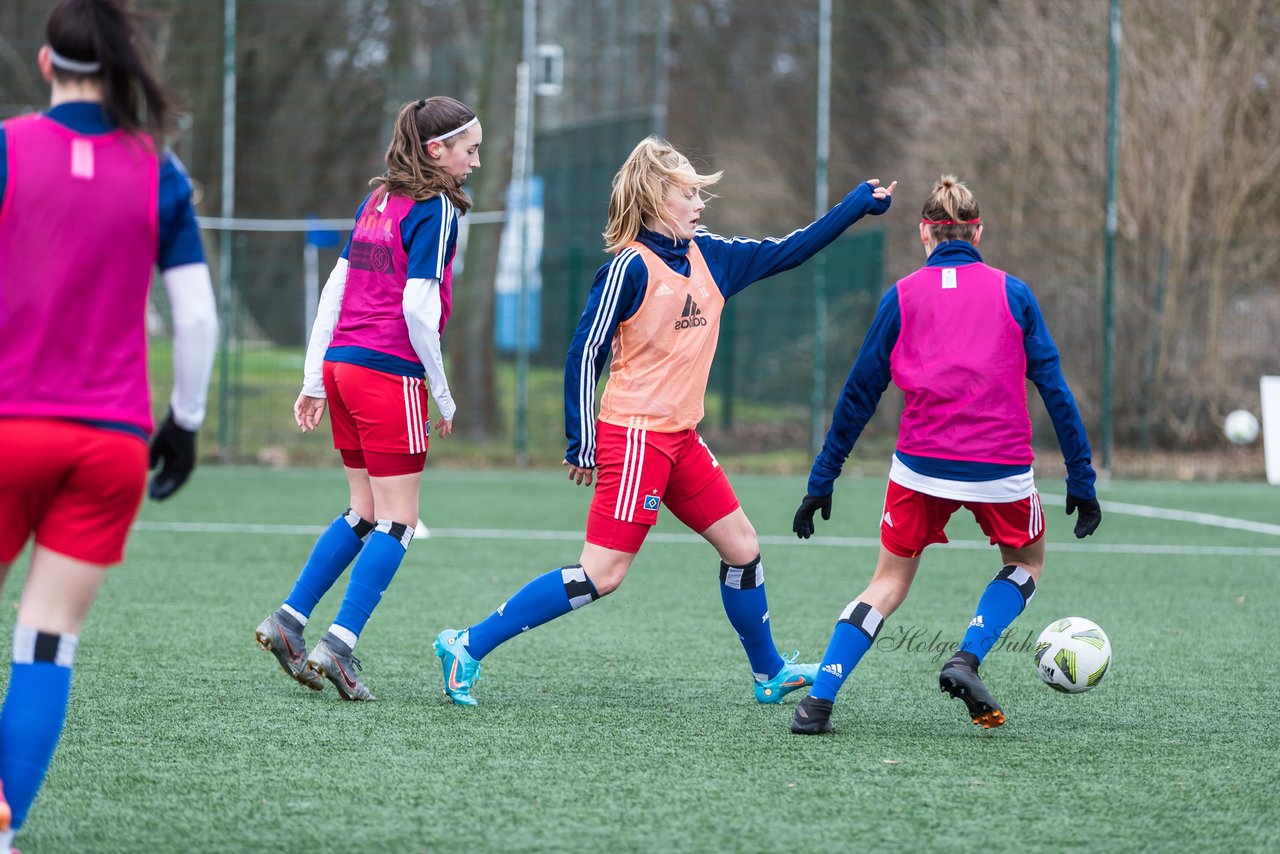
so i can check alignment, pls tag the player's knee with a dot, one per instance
(606, 576)
(743, 549)
(886, 595)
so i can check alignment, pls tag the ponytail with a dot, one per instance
(951, 211)
(100, 39)
(410, 171)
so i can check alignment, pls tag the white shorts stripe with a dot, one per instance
(632, 466)
(419, 417)
(622, 484)
(413, 415)
(1035, 521)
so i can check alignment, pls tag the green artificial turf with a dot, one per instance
(630, 725)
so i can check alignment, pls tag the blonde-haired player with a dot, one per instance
(657, 306)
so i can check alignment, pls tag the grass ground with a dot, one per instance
(630, 725)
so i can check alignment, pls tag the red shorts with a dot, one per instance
(636, 470)
(379, 420)
(913, 520)
(76, 488)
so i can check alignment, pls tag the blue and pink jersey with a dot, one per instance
(394, 239)
(960, 339)
(67, 172)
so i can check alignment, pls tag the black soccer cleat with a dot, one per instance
(959, 678)
(812, 717)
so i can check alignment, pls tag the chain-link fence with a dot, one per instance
(1010, 98)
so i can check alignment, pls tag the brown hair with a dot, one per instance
(951, 202)
(641, 184)
(410, 171)
(105, 32)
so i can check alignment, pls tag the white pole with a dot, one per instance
(310, 287)
(228, 212)
(522, 170)
(1271, 427)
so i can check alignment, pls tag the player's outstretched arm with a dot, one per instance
(748, 260)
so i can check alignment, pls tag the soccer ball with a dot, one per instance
(1241, 427)
(1072, 655)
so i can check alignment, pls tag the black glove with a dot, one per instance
(1089, 517)
(802, 524)
(176, 449)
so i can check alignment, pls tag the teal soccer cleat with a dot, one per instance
(460, 670)
(789, 678)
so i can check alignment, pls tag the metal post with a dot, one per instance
(662, 59)
(521, 177)
(310, 289)
(818, 395)
(1109, 245)
(228, 211)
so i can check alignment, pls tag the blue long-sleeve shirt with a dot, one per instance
(870, 376)
(620, 287)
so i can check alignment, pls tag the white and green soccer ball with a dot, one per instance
(1072, 655)
(1241, 427)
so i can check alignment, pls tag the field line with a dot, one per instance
(771, 540)
(1165, 513)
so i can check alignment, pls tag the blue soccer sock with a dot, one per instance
(854, 633)
(34, 711)
(383, 551)
(550, 595)
(1004, 599)
(747, 607)
(332, 553)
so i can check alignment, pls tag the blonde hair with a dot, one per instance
(410, 171)
(952, 205)
(640, 187)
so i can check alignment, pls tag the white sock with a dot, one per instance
(344, 634)
(293, 613)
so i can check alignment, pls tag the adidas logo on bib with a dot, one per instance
(691, 315)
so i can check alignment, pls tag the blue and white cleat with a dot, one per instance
(460, 670)
(789, 678)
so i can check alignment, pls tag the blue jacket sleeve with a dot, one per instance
(179, 233)
(429, 233)
(741, 261)
(616, 293)
(868, 379)
(1045, 370)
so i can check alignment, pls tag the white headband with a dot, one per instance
(75, 66)
(455, 131)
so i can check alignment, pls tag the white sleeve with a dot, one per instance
(422, 314)
(327, 312)
(195, 340)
